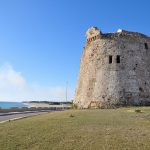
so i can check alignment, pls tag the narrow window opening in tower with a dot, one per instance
(146, 45)
(110, 59)
(118, 59)
(140, 89)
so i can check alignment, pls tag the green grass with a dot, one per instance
(107, 129)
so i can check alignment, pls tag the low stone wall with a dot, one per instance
(15, 109)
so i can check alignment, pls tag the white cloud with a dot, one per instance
(14, 87)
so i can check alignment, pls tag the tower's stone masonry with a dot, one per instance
(114, 70)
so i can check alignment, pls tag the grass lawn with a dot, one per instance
(107, 129)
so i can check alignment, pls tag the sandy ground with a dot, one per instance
(18, 116)
(37, 105)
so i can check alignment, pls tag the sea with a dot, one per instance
(6, 105)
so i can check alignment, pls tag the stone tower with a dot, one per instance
(114, 70)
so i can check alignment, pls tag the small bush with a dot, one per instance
(138, 111)
(71, 115)
(74, 106)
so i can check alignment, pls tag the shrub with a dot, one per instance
(71, 115)
(74, 106)
(138, 111)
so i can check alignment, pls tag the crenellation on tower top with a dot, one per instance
(93, 33)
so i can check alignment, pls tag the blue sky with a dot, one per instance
(41, 41)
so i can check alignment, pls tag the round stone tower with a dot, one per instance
(114, 70)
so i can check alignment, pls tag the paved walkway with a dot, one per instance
(6, 118)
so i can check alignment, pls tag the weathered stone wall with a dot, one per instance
(104, 84)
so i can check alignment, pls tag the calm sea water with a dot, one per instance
(11, 104)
